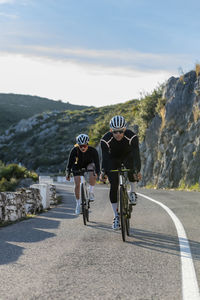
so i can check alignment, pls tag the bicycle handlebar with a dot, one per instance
(121, 170)
(84, 170)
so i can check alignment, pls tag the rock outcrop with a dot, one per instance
(171, 149)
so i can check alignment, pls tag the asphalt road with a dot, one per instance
(54, 256)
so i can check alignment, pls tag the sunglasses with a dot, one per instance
(83, 146)
(118, 131)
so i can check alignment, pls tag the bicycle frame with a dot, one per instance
(84, 199)
(125, 207)
(85, 202)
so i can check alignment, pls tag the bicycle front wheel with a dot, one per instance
(87, 214)
(87, 203)
(83, 203)
(122, 213)
(128, 226)
(127, 212)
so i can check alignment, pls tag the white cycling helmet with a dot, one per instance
(82, 139)
(117, 122)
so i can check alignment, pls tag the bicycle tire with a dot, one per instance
(128, 213)
(128, 226)
(87, 214)
(87, 203)
(83, 203)
(122, 213)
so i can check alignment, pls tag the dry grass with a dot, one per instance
(181, 78)
(197, 69)
(196, 113)
(162, 114)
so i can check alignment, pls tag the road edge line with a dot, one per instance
(190, 288)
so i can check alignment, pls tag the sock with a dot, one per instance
(91, 188)
(114, 207)
(78, 201)
(133, 187)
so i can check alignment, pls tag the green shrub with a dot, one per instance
(136, 112)
(11, 174)
(8, 185)
(31, 174)
(12, 170)
(147, 109)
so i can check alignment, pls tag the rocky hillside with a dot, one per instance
(171, 149)
(42, 143)
(169, 131)
(15, 107)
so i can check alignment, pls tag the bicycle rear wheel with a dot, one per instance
(83, 203)
(122, 213)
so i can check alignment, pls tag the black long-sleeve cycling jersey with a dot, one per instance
(78, 159)
(120, 150)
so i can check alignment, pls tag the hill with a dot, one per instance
(42, 142)
(167, 122)
(14, 107)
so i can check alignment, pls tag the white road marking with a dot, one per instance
(190, 289)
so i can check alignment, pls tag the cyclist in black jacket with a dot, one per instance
(120, 145)
(83, 156)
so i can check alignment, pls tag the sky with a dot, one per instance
(95, 52)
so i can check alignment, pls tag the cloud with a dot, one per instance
(126, 59)
(6, 1)
(77, 83)
(22, 2)
(10, 16)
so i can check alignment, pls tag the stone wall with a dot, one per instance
(52, 195)
(44, 192)
(51, 189)
(12, 206)
(45, 179)
(16, 205)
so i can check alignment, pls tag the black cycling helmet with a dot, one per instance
(82, 139)
(117, 122)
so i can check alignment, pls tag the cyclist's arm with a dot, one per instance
(96, 162)
(136, 155)
(105, 156)
(71, 161)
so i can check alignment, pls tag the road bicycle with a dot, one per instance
(125, 208)
(84, 190)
